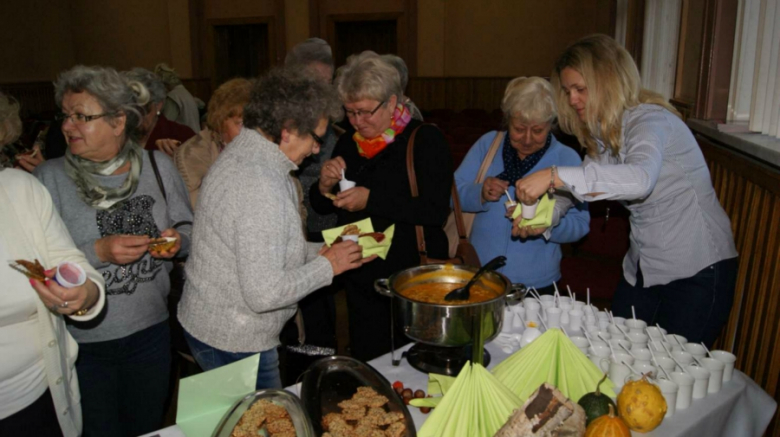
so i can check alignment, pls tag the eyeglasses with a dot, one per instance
(79, 119)
(318, 139)
(361, 114)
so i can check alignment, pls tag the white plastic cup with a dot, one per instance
(622, 357)
(614, 330)
(671, 338)
(716, 373)
(547, 298)
(682, 357)
(618, 373)
(666, 363)
(658, 346)
(653, 332)
(646, 369)
(565, 308)
(591, 327)
(578, 305)
(508, 323)
(638, 340)
(532, 308)
(350, 238)
(509, 204)
(564, 300)
(636, 325)
(669, 390)
(701, 382)
(642, 355)
(345, 185)
(696, 350)
(529, 335)
(553, 317)
(597, 353)
(517, 323)
(728, 359)
(70, 275)
(603, 335)
(580, 342)
(601, 315)
(575, 320)
(617, 342)
(684, 383)
(619, 321)
(529, 211)
(604, 325)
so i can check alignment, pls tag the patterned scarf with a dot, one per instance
(514, 167)
(83, 171)
(369, 148)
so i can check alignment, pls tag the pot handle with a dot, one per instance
(516, 292)
(381, 286)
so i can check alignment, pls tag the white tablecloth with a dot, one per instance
(740, 409)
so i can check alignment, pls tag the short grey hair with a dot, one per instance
(310, 51)
(286, 99)
(529, 99)
(400, 65)
(115, 93)
(157, 91)
(368, 76)
(10, 123)
(167, 75)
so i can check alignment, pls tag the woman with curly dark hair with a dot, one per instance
(250, 263)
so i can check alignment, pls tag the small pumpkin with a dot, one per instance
(641, 405)
(596, 404)
(608, 425)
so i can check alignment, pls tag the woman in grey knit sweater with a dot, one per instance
(250, 263)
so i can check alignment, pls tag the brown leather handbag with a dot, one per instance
(464, 252)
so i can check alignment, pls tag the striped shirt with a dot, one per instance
(678, 227)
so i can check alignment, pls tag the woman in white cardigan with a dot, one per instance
(39, 390)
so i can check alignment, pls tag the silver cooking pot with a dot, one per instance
(443, 324)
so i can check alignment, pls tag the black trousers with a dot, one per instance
(369, 323)
(39, 419)
(695, 307)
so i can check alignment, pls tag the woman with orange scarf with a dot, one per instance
(373, 155)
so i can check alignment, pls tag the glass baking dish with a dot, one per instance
(283, 398)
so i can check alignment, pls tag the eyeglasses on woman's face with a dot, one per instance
(318, 139)
(361, 113)
(79, 118)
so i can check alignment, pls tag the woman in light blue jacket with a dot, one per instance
(533, 254)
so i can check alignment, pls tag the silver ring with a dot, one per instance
(64, 304)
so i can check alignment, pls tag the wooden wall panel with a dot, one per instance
(750, 194)
(457, 93)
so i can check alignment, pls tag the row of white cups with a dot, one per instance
(625, 349)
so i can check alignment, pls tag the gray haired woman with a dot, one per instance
(180, 106)
(114, 199)
(157, 131)
(250, 263)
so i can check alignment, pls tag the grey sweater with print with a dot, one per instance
(250, 263)
(136, 293)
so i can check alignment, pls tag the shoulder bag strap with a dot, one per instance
(413, 185)
(162, 186)
(489, 157)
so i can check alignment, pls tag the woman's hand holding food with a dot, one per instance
(493, 189)
(121, 249)
(170, 253)
(330, 174)
(63, 300)
(345, 256)
(30, 160)
(524, 231)
(354, 199)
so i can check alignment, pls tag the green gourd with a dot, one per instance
(596, 404)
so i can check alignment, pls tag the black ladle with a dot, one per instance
(462, 293)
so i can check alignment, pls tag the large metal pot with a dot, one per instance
(442, 324)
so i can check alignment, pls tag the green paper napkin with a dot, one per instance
(544, 213)
(206, 397)
(370, 245)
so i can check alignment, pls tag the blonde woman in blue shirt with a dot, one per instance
(680, 270)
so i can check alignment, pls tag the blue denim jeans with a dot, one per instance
(695, 307)
(124, 383)
(209, 358)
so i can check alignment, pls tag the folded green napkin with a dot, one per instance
(369, 244)
(544, 213)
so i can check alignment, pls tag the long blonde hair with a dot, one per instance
(613, 84)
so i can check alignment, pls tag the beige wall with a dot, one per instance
(35, 40)
(464, 38)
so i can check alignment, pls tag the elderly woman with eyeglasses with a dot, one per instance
(114, 197)
(527, 144)
(373, 155)
(250, 262)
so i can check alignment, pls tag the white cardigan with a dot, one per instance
(33, 229)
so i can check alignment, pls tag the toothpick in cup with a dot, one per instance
(568, 289)
(627, 350)
(588, 296)
(633, 312)
(706, 349)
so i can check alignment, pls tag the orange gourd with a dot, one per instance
(641, 405)
(608, 425)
